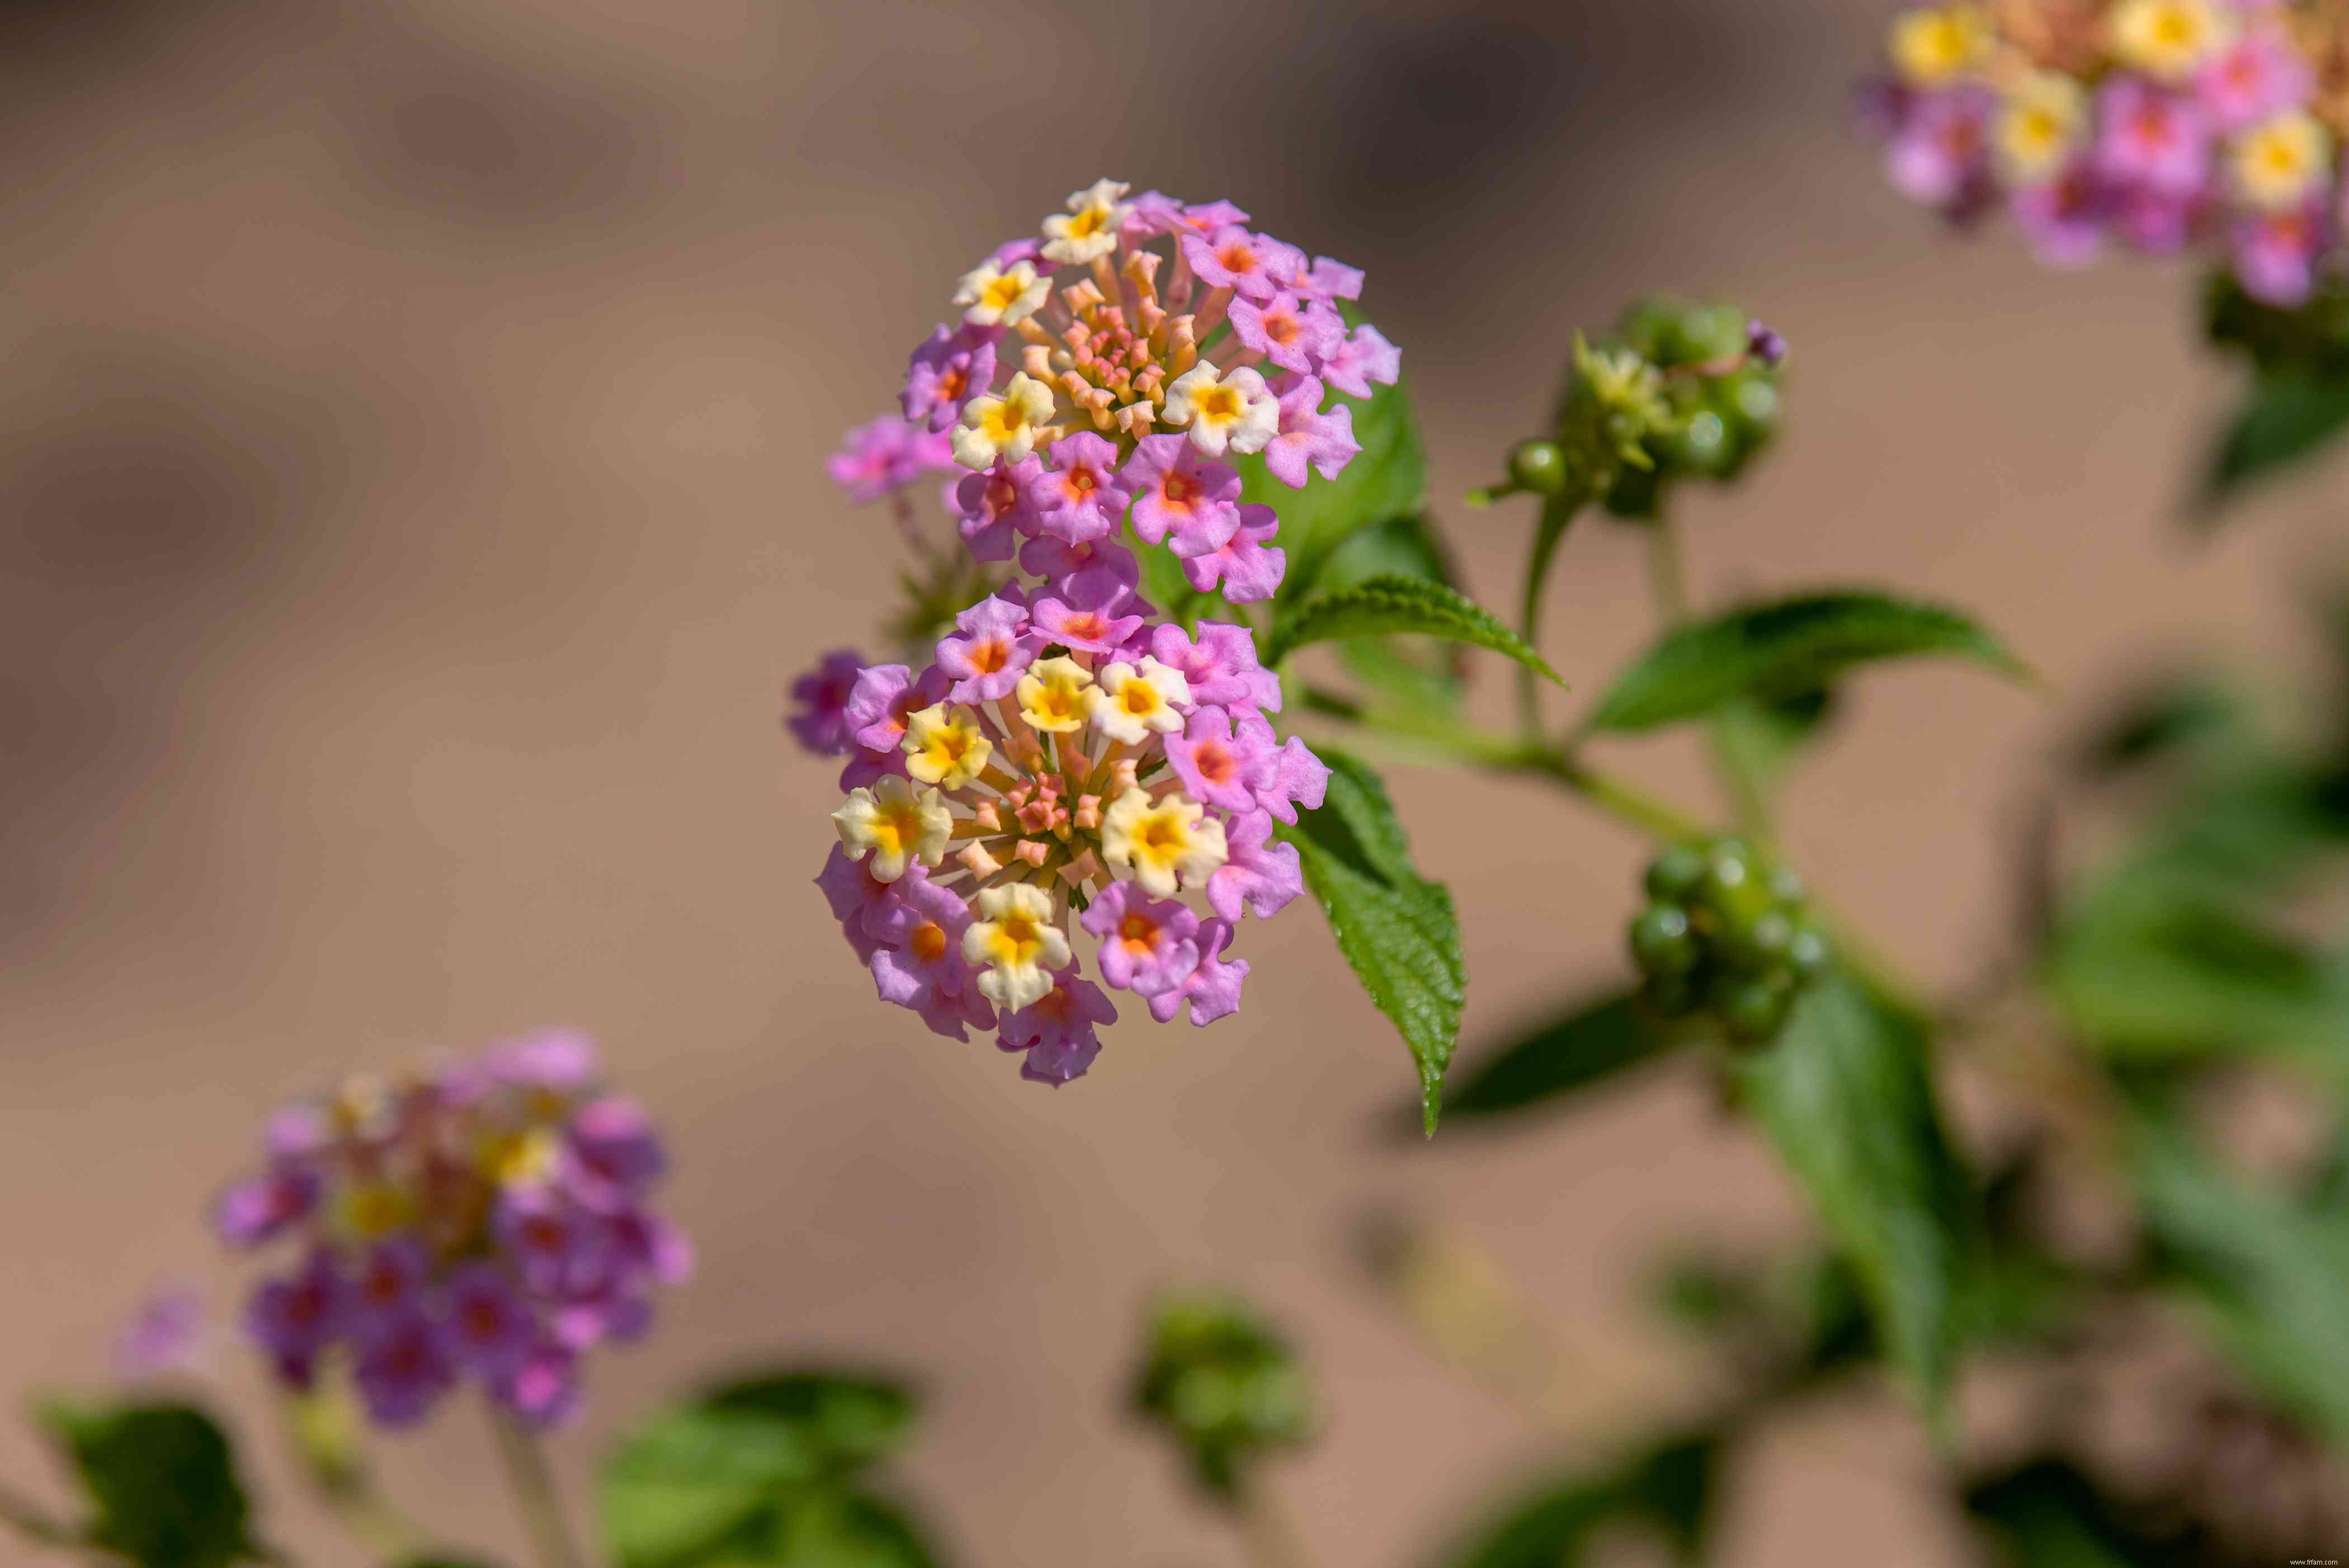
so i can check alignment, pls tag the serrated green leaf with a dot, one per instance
(2048, 1514)
(1845, 1093)
(1389, 604)
(1591, 1044)
(2290, 415)
(1553, 1525)
(1785, 647)
(2271, 1276)
(1417, 672)
(161, 1481)
(1396, 928)
(1387, 478)
(708, 1477)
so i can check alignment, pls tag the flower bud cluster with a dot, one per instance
(1725, 933)
(481, 1220)
(2160, 124)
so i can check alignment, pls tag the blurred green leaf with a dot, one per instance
(1406, 546)
(1785, 648)
(709, 1476)
(1416, 671)
(1671, 1488)
(2290, 415)
(831, 1529)
(1767, 733)
(1389, 604)
(2047, 1515)
(162, 1483)
(444, 1563)
(2181, 715)
(1387, 479)
(1845, 1094)
(1218, 1380)
(2271, 1276)
(1396, 928)
(1590, 1045)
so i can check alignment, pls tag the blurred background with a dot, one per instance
(412, 425)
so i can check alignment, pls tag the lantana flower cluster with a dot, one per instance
(2158, 123)
(471, 1219)
(1065, 771)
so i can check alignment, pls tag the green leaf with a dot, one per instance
(1404, 546)
(828, 1529)
(1593, 1043)
(1224, 1385)
(1414, 670)
(1671, 1488)
(1768, 734)
(1388, 605)
(1396, 928)
(710, 1475)
(2186, 715)
(2161, 963)
(1846, 1095)
(444, 1562)
(2047, 1515)
(2271, 1276)
(1387, 478)
(2290, 414)
(162, 1481)
(1783, 647)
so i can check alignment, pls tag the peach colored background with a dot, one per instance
(410, 426)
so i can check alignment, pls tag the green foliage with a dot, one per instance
(1592, 1044)
(2047, 1515)
(1226, 1387)
(1846, 1095)
(1396, 928)
(1387, 604)
(1387, 478)
(1670, 1489)
(766, 1470)
(1417, 672)
(444, 1562)
(2184, 716)
(2269, 1274)
(162, 1483)
(1784, 649)
(1727, 934)
(2286, 418)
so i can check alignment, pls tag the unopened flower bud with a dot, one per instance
(1538, 465)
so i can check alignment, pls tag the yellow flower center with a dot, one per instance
(1217, 404)
(928, 941)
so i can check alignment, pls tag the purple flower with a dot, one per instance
(1261, 874)
(402, 1371)
(1290, 332)
(2156, 223)
(860, 902)
(1057, 1031)
(252, 1212)
(1219, 766)
(819, 702)
(2063, 219)
(559, 1059)
(1233, 258)
(1213, 989)
(1364, 358)
(994, 648)
(485, 1327)
(615, 1151)
(1178, 490)
(1294, 778)
(554, 1244)
(2275, 254)
(1147, 944)
(991, 506)
(295, 1317)
(1082, 612)
(1246, 569)
(542, 1388)
(1763, 346)
(884, 696)
(921, 966)
(886, 454)
(1221, 665)
(2151, 137)
(1058, 563)
(2258, 75)
(651, 1246)
(1308, 435)
(165, 1335)
(1081, 496)
(1939, 150)
(951, 366)
(390, 1281)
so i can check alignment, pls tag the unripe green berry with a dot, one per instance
(1673, 875)
(1661, 940)
(1767, 938)
(1538, 465)
(1808, 955)
(1754, 1009)
(1786, 885)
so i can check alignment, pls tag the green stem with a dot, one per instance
(1666, 570)
(323, 1434)
(1668, 585)
(1556, 511)
(534, 1493)
(1626, 803)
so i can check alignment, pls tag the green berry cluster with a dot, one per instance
(1725, 933)
(1723, 400)
(1224, 1385)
